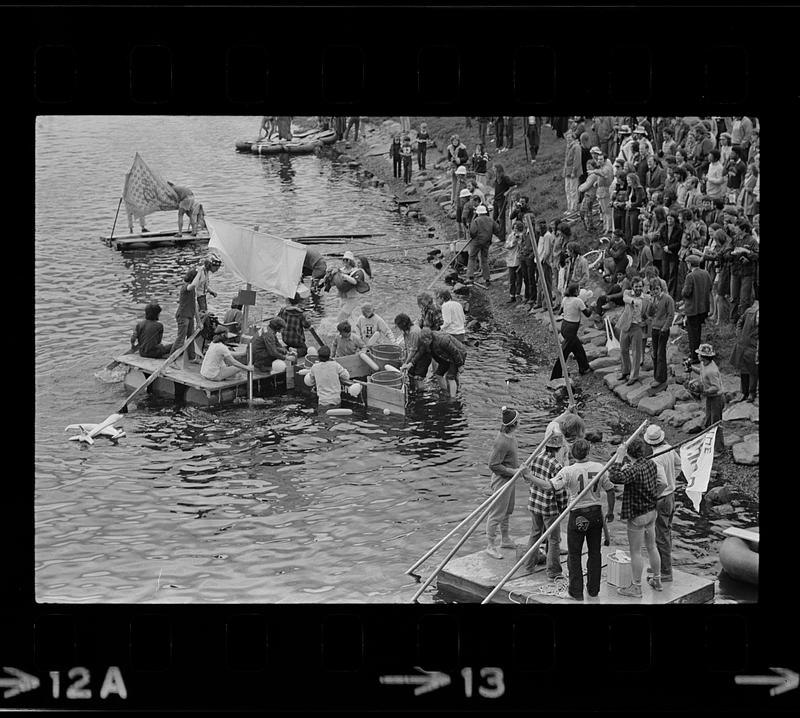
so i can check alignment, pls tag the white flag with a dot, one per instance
(696, 459)
(263, 260)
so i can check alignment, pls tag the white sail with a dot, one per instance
(263, 260)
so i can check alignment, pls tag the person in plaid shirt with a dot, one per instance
(292, 334)
(642, 489)
(545, 505)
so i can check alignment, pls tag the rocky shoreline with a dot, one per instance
(735, 476)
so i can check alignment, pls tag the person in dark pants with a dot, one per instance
(483, 124)
(395, 152)
(499, 130)
(710, 386)
(407, 158)
(527, 262)
(696, 304)
(585, 523)
(743, 259)
(572, 307)
(502, 183)
(353, 122)
(661, 312)
(534, 135)
(509, 128)
(422, 145)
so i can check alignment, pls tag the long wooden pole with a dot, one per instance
(484, 510)
(556, 524)
(472, 514)
(686, 441)
(528, 218)
(114, 226)
(447, 266)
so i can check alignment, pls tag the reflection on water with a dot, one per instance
(204, 504)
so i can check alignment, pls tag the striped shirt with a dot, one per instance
(546, 502)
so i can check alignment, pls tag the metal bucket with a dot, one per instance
(387, 378)
(387, 354)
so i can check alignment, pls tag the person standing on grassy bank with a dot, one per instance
(502, 184)
(481, 230)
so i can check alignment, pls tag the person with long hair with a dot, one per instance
(572, 306)
(351, 281)
(636, 198)
(669, 261)
(659, 238)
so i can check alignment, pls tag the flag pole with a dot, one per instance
(686, 441)
(115, 219)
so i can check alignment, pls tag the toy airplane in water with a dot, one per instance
(89, 431)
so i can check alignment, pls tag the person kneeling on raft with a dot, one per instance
(327, 376)
(218, 362)
(268, 355)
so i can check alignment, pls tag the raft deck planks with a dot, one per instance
(473, 577)
(146, 240)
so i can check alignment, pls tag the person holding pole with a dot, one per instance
(585, 521)
(643, 486)
(504, 464)
(545, 504)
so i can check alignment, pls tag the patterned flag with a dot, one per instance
(697, 458)
(145, 192)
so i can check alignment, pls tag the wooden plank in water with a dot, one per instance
(382, 397)
(472, 577)
(156, 239)
(340, 235)
(355, 365)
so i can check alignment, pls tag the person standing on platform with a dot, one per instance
(670, 463)
(503, 463)
(185, 315)
(284, 128)
(202, 281)
(186, 206)
(585, 522)
(545, 505)
(639, 500)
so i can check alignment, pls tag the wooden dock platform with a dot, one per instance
(471, 578)
(148, 240)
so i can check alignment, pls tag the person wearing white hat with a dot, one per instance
(350, 281)
(640, 136)
(463, 201)
(711, 387)
(503, 463)
(668, 465)
(201, 282)
(481, 230)
(457, 156)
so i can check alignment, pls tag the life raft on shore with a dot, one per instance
(738, 554)
(302, 143)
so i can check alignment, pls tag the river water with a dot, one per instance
(198, 505)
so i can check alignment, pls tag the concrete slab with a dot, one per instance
(471, 578)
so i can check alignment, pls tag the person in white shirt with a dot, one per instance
(585, 521)
(716, 180)
(668, 465)
(453, 319)
(218, 362)
(544, 248)
(326, 375)
(373, 329)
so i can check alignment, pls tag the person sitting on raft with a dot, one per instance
(449, 353)
(148, 332)
(218, 362)
(296, 321)
(233, 319)
(327, 375)
(346, 343)
(268, 355)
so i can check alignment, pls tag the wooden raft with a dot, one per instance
(147, 240)
(471, 578)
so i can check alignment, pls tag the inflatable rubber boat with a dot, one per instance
(301, 143)
(738, 554)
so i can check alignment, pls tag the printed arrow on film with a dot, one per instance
(431, 681)
(21, 682)
(786, 681)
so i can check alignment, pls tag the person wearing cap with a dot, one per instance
(481, 230)
(585, 522)
(350, 281)
(218, 362)
(186, 206)
(457, 156)
(643, 486)
(448, 352)
(468, 214)
(464, 200)
(696, 295)
(545, 504)
(504, 464)
(640, 136)
(626, 139)
(266, 347)
(327, 376)
(201, 282)
(372, 328)
(710, 386)
(668, 465)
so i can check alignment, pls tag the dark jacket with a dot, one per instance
(744, 265)
(457, 154)
(443, 347)
(395, 150)
(655, 179)
(481, 230)
(266, 350)
(697, 292)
